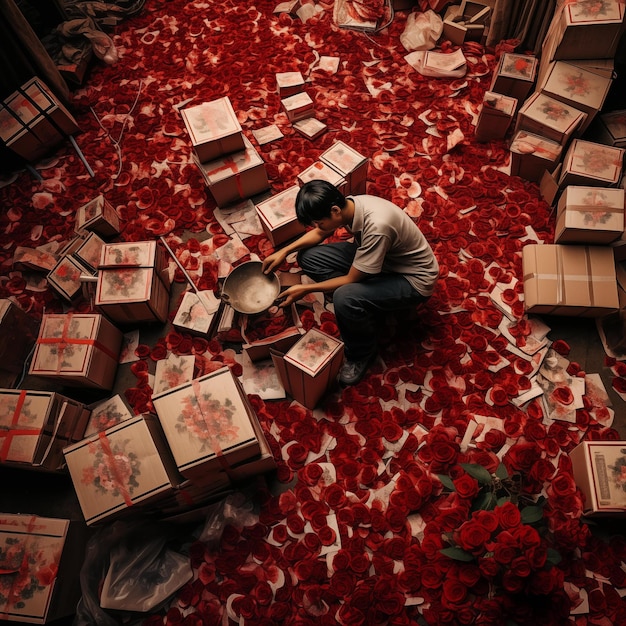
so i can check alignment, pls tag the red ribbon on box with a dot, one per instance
(112, 465)
(63, 341)
(15, 432)
(229, 165)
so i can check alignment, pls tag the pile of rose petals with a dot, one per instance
(352, 531)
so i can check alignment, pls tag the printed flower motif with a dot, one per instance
(576, 84)
(113, 472)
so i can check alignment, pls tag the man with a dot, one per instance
(389, 266)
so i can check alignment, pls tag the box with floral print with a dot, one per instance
(79, 349)
(98, 216)
(208, 424)
(593, 164)
(40, 561)
(124, 469)
(350, 164)
(323, 171)
(515, 75)
(278, 216)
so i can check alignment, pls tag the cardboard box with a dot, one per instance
(589, 215)
(465, 22)
(495, 116)
(350, 164)
(196, 317)
(598, 471)
(214, 129)
(133, 282)
(289, 83)
(515, 76)
(310, 127)
(80, 349)
(532, 155)
(86, 249)
(208, 424)
(578, 87)
(98, 216)
(550, 118)
(35, 426)
(235, 177)
(610, 129)
(593, 164)
(124, 468)
(580, 31)
(298, 107)
(308, 370)
(258, 337)
(65, 277)
(321, 171)
(18, 332)
(106, 414)
(33, 121)
(278, 216)
(569, 280)
(40, 559)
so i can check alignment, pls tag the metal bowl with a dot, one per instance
(248, 290)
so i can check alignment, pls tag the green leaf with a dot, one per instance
(531, 514)
(503, 500)
(458, 554)
(478, 472)
(484, 502)
(554, 558)
(446, 481)
(501, 472)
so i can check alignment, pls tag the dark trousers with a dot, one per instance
(358, 306)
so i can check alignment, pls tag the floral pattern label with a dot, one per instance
(553, 113)
(596, 207)
(595, 10)
(63, 354)
(518, 66)
(106, 415)
(125, 284)
(596, 160)
(578, 84)
(322, 171)
(129, 254)
(90, 211)
(233, 164)
(67, 276)
(91, 251)
(313, 350)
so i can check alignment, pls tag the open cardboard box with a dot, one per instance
(466, 22)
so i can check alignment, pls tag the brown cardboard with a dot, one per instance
(569, 280)
(308, 370)
(78, 349)
(350, 164)
(133, 283)
(208, 424)
(495, 116)
(278, 216)
(465, 22)
(590, 163)
(515, 76)
(320, 170)
(589, 215)
(65, 277)
(532, 155)
(121, 469)
(610, 129)
(98, 216)
(298, 106)
(597, 468)
(214, 129)
(289, 83)
(35, 426)
(51, 553)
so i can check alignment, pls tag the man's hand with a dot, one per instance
(293, 294)
(273, 261)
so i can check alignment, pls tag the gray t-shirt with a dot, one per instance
(390, 241)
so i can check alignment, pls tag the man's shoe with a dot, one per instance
(351, 372)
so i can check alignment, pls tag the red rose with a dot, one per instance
(466, 486)
(342, 584)
(508, 516)
(454, 591)
(489, 567)
(472, 537)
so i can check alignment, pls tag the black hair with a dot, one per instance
(315, 199)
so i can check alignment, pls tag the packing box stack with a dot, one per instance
(125, 468)
(549, 118)
(236, 176)
(273, 330)
(610, 129)
(495, 117)
(98, 216)
(533, 155)
(515, 76)
(35, 426)
(310, 367)
(578, 87)
(40, 560)
(77, 349)
(570, 280)
(133, 283)
(298, 107)
(18, 332)
(33, 121)
(350, 164)
(278, 216)
(208, 424)
(214, 129)
(289, 83)
(599, 469)
(589, 215)
(320, 170)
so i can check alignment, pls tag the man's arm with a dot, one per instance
(311, 238)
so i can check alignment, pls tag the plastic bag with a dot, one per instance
(237, 509)
(422, 31)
